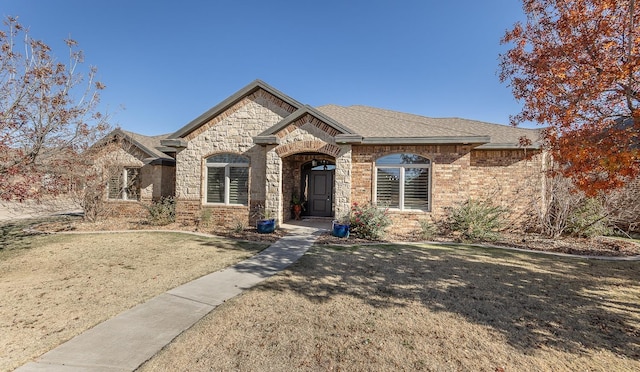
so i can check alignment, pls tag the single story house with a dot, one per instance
(259, 147)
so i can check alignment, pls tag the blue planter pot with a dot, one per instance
(340, 230)
(266, 226)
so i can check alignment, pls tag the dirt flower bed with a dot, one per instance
(115, 224)
(599, 246)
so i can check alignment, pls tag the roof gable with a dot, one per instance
(148, 145)
(229, 102)
(305, 114)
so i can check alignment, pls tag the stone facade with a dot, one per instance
(156, 181)
(311, 135)
(270, 166)
(231, 132)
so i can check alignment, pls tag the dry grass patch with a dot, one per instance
(423, 307)
(56, 286)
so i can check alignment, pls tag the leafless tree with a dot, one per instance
(48, 114)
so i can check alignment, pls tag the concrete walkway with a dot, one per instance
(131, 338)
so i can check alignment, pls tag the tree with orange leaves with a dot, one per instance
(575, 65)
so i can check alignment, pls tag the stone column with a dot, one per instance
(273, 185)
(343, 182)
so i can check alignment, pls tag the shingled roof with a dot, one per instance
(385, 126)
(149, 145)
(369, 125)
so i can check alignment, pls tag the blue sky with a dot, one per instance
(166, 62)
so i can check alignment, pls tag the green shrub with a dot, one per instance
(589, 219)
(205, 217)
(476, 220)
(427, 229)
(162, 212)
(368, 221)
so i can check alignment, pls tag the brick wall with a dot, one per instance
(507, 177)
(188, 211)
(125, 209)
(458, 172)
(126, 155)
(193, 212)
(227, 216)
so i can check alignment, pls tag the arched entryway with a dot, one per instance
(309, 178)
(317, 187)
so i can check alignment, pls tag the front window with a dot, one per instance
(124, 184)
(227, 179)
(403, 181)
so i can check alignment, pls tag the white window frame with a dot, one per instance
(401, 180)
(227, 179)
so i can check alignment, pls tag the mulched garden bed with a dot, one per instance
(599, 246)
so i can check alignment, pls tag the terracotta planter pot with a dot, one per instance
(297, 210)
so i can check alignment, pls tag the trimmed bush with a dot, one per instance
(427, 229)
(476, 220)
(162, 212)
(368, 221)
(589, 219)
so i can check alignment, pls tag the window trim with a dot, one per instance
(401, 185)
(227, 178)
(123, 195)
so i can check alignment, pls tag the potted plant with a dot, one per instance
(297, 206)
(340, 228)
(264, 224)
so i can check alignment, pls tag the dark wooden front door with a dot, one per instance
(320, 193)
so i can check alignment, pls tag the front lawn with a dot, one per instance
(422, 307)
(53, 287)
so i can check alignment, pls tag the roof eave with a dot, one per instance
(507, 146)
(425, 140)
(348, 139)
(175, 143)
(161, 161)
(128, 138)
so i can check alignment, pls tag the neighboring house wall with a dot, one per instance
(457, 173)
